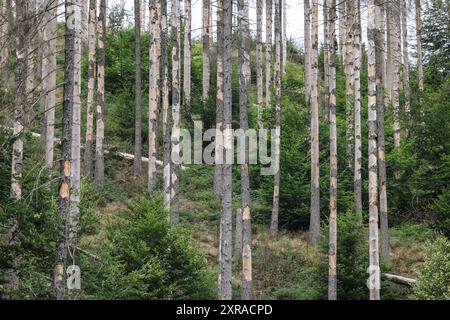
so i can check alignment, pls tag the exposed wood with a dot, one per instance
(314, 225)
(400, 279)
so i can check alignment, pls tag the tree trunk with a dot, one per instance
(332, 247)
(314, 225)
(326, 71)
(49, 77)
(174, 208)
(244, 86)
(11, 274)
(238, 236)
(218, 188)
(92, 44)
(349, 81)
(276, 183)
(4, 59)
(307, 41)
(187, 55)
(396, 57)
(419, 44)
(342, 23)
(284, 8)
(380, 72)
(389, 60)
(154, 89)
(206, 33)
(69, 185)
(259, 62)
(406, 89)
(268, 52)
(165, 106)
(357, 119)
(100, 130)
(374, 28)
(226, 215)
(137, 165)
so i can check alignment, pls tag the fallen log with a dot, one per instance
(400, 279)
(122, 155)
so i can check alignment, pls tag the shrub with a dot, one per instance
(434, 276)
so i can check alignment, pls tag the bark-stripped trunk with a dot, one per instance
(380, 72)
(374, 27)
(238, 236)
(225, 272)
(342, 23)
(100, 129)
(357, 119)
(5, 23)
(143, 9)
(284, 8)
(31, 47)
(244, 86)
(314, 225)
(276, 183)
(268, 52)
(332, 247)
(49, 77)
(69, 184)
(349, 81)
(389, 60)
(175, 157)
(396, 58)
(137, 163)
(11, 274)
(206, 33)
(326, 61)
(419, 44)
(307, 45)
(259, 62)
(406, 89)
(165, 106)
(219, 102)
(154, 90)
(92, 45)
(187, 55)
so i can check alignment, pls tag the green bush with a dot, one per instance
(434, 276)
(145, 258)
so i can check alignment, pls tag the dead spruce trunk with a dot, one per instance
(100, 128)
(165, 106)
(380, 57)
(244, 86)
(357, 108)
(69, 184)
(218, 153)
(49, 77)
(332, 247)
(225, 269)
(307, 44)
(138, 15)
(276, 183)
(406, 88)
(92, 46)
(206, 33)
(154, 90)
(374, 27)
(269, 4)
(259, 62)
(174, 207)
(419, 44)
(187, 55)
(314, 225)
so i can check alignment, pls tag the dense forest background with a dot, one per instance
(127, 247)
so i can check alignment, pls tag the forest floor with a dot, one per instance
(273, 260)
